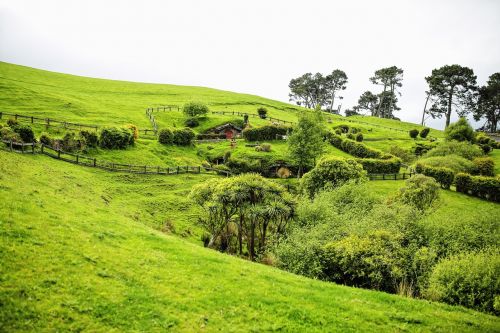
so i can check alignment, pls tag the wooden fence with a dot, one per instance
(390, 176)
(152, 120)
(49, 122)
(111, 166)
(254, 115)
(164, 108)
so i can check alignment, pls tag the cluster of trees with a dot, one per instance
(451, 88)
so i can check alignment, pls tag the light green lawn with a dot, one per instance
(77, 253)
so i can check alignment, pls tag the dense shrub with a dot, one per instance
(359, 137)
(26, 133)
(413, 133)
(134, 129)
(183, 137)
(242, 165)
(45, 139)
(460, 131)
(91, 138)
(464, 149)
(420, 192)
(166, 136)
(8, 134)
(424, 132)
(483, 139)
(359, 149)
(471, 280)
(191, 122)
(72, 142)
(372, 165)
(374, 261)
(350, 136)
(444, 176)
(403, 154)
(479, 186)
(195, 109)
(342, 128)
(264, 133)
(453, 162)
(12, 122)
(421, 148)
(484, 166)
(262, 112)
(331, 172)
(116, 138)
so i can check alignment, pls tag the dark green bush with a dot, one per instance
(183, 137)
(343, 128)
(486, 148)
(413, 133)
(331, 171)
(372, 165)
(72, 142)
(262, 112)
(242, 165)
(195, 109)
(265, 133)
(424, 132)
(403, 154)
(350, 136)
(471, 280)
(46, 140)
(191, 122)
(116, 138)
(479, 186)
(91, 138)
(166, 136)
(484, 166)
(460, 131)
(12, 122)
(420, 192)
(26, 133)
(464, 149)
(359, 149)
(359, 137)
(483, 139)
(444, 176)
(420, 148)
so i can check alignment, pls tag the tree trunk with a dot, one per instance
(252, 241)
(332, 102)
(240, 236)
(448, 113)
(381, 101)
(425, 109)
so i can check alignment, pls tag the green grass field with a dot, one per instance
(65, 267)
(83, 249)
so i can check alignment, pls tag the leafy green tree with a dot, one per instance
(420, 192)
(390, 78)
(335, 82)
(489, 103)
(306, 143)
(452, 87)
(195, 109)
(368, 102)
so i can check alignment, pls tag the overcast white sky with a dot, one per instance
(254, 46)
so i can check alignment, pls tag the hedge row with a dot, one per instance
(479, 186)
(444, 176)
(179, 137)
(263, 133)
(372, 165)
(354, 148)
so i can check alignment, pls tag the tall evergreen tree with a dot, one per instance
(488, 106)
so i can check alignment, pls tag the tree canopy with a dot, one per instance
(488, 106)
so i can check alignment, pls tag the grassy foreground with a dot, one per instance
(75, 255)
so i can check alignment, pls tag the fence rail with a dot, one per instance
(253, 115)
(390, 176)
(49, 122)
(111, 166)
(164, 108)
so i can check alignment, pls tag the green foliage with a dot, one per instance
(372, 261)
(262, 112)
(453, 162)
(484, 166)
(46, 140)
(72, 142)
(372, 165)
(243, 165)
(471, 280)
(460, 131)
(479, 186)
(421, 148)
(26, 133)
(306, 143)
(183, 137)
(331, 172)
(91, 138)
(419, 191)
(359, 149)
(12, 122)
(195, 109)
(8, 134)
(116, 138)
(424, 132)
(444, 176)
(166, 136)
(359, 137)
(403, 154)
(191, 122)
(264, 133)
(413, 133)
(464, 149)
(350, 136)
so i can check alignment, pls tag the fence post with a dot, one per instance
(42, 147)
(95, 162)
(177, 169)
(33, 147)
(395, 176)
(0, 115)
(145, 169)
(168, 170)
(32, 119)
(76, 159)
(187, 169)
(199, 169)
(383, 176)
(158, 169)
(59, 153)
(10, 144)
(15, 116)
(404, 175)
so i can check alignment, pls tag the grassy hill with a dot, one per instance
(85, 249)
(77, 254)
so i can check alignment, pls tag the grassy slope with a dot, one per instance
(67, 267)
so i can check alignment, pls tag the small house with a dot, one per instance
(228, 130)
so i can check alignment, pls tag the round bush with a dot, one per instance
(183, 137)
(484, 166)
(192, 122)
(471, 280)
(116, 138)
(195, 109)
(424, 132)
(420, 191)
(350, 136)
(331, 171)
(460, 131)
(413, 133)
(166, 136)
(359, 137)
(262, 112)
(91, 138)
(26, 133)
